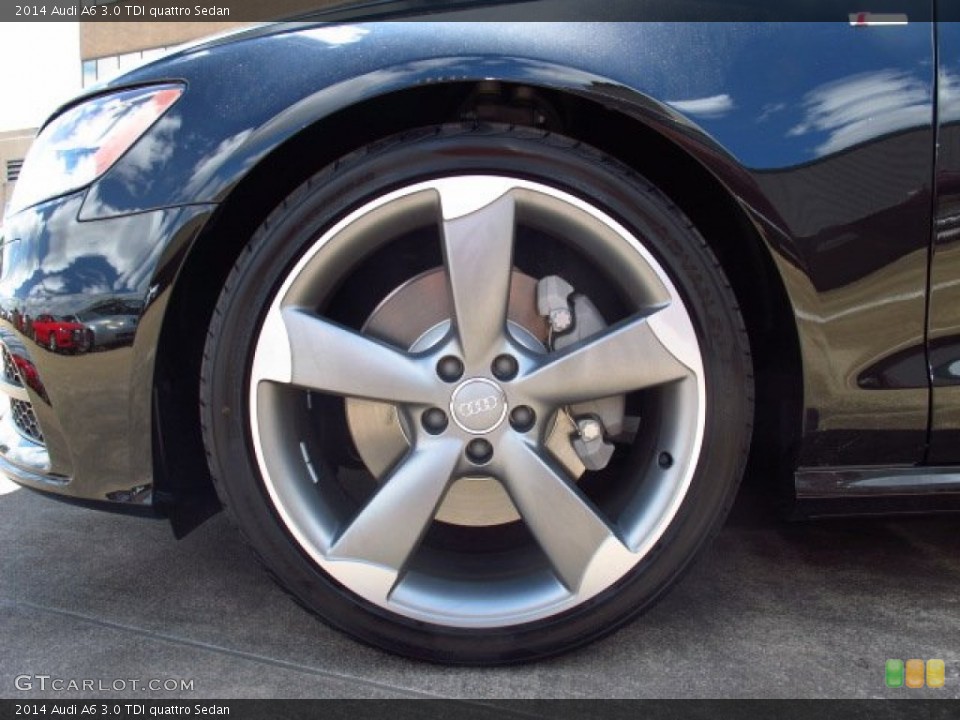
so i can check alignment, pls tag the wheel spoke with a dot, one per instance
(330, 358)
(388, 529)
(625, 357)
(579, 543)
(478, 253)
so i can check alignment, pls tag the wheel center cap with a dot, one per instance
(478, 406)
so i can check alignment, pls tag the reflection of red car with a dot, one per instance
(28, 373)
(58, 333)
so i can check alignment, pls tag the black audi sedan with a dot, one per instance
(473, 327)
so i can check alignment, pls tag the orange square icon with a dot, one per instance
(914, 674)
(935, 673)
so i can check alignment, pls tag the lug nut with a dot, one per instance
(450, 369)
(665, 460)
(522, 418)
(434, 421)
(479, 451)
(505, 367)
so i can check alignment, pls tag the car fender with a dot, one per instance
(807, 175)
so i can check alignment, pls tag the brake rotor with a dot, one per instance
(414, 316)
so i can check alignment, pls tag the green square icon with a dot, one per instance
(893, 675)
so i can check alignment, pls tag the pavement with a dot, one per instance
(773, 610)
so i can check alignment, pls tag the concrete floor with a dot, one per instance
(774, 610)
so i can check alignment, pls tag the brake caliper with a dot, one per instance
(573, 317)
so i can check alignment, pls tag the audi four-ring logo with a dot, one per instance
(477, 407)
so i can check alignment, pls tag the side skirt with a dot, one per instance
(876, 490)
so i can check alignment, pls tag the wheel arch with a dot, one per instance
(649, 137)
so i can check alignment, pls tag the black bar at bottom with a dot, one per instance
(484, 710)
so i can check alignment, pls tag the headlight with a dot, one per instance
(83, 143)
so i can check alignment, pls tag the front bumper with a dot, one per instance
(77, 421)
(23, 452)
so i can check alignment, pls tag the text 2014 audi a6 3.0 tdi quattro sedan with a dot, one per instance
(472, 328)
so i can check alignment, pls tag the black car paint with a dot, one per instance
(944, 319)
(783, 115)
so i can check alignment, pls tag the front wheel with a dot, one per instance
(493, 394)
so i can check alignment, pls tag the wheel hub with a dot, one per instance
(478, 406)
(413, 317)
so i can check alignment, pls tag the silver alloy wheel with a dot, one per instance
(585, 551)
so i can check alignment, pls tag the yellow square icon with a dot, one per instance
(936, 673)
(914, 674)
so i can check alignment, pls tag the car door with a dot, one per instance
(944, 315)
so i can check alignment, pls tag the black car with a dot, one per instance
(472, 328)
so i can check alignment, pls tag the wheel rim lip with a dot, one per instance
(359, 579)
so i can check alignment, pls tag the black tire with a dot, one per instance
(371, 172)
